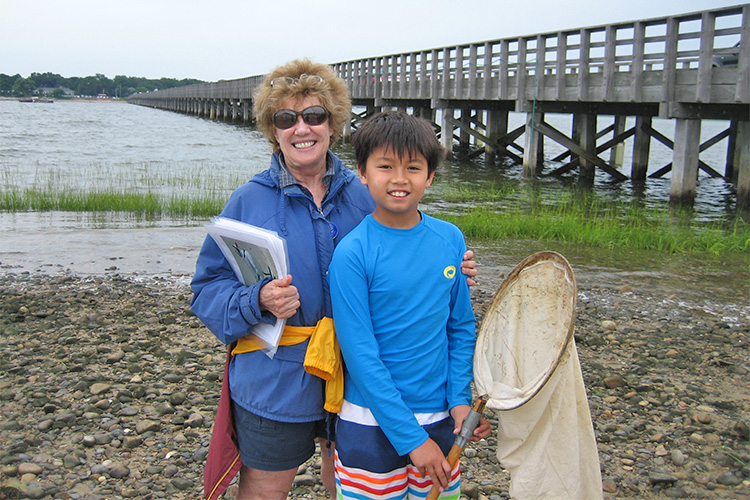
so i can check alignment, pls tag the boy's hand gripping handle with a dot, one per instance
(463, 438)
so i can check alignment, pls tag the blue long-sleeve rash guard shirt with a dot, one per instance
(403, 316)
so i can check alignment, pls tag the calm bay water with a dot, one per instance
(85, 145)
(95, 145)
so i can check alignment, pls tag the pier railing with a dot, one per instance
(657, 60)
(664, 60)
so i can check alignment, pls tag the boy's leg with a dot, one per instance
(419, 487)
(367, 466)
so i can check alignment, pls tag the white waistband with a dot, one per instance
(363, 416)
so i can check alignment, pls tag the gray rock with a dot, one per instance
(146, 426)
(181, 484)
(177, 398)
(164, 409)
(676, 492)
(170, 470)
(99, 388)
(131, 442)
(11, 425)
(29, 468)
(119, 471)
(99, 469)
(128, 411)
(661, 477)
(728, 479)
(678, 458)
(200, 455)
(304, 480)
(34, 491)
(70, 461)
(195, 420)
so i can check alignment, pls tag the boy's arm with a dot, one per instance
(351, 314)
(461, 329)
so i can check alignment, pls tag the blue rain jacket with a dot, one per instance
(278, 388)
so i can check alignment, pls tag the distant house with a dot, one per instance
(102, 96)
(49, 90)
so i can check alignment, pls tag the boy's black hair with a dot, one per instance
(401, 133)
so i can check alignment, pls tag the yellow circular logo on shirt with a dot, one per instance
(449, 272)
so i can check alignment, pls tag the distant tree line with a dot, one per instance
(119, 86)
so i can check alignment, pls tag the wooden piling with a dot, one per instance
(743, 166)
(685, 163)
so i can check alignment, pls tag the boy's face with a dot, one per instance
(396, 184)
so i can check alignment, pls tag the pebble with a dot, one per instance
(614, 382)
(609, 325)
(119, 471)
(109, 386)
(26, 468)
(678, 458)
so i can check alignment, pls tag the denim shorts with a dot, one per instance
(271, 445)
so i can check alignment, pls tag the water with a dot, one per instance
(95, 145)
(83, 145)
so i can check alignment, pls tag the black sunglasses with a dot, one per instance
(286, 118)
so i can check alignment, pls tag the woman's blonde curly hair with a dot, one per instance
(296, 82)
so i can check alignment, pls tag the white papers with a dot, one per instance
(254, 254)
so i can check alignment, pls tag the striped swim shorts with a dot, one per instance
(368, 467)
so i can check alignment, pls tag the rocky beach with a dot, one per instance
(109, 385)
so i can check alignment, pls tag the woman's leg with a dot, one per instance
(257, 484)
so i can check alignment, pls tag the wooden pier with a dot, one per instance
(687, 67)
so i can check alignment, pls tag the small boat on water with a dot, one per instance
(36, 99)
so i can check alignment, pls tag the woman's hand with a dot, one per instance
(280, 297)
(469, 267)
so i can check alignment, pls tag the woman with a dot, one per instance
(311, 200)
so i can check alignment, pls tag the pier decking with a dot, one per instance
(687, 67)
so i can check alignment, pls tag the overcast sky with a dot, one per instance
(228, 39)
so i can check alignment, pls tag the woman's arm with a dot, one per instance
(469, 267)
(227, 307)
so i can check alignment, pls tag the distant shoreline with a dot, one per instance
(69, 99)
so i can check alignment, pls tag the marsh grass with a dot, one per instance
(196, 192)
(585, 218)
(517, 211)
(175, 205)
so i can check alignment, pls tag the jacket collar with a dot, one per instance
(341, 176)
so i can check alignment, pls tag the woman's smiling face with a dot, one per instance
(304, 146)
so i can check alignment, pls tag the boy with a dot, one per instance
(404, 322)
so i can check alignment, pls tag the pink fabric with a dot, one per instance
(223, 461)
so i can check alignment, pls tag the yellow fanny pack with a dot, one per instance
(322, 358)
